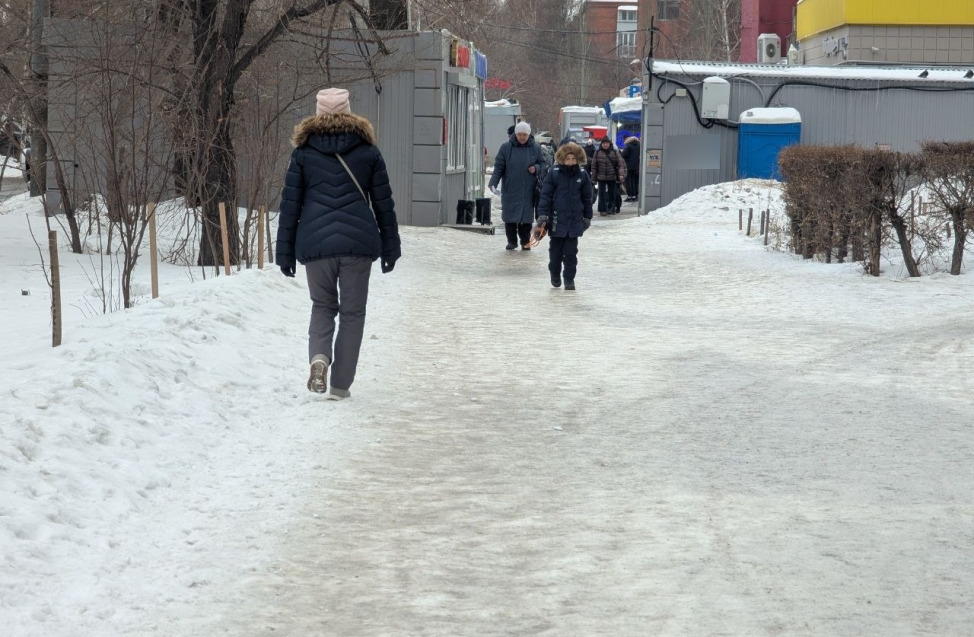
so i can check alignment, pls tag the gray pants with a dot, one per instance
(338, 287)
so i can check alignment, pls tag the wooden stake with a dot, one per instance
(261, 213)
(740, 218)
(55, 289)
(767, 225)
(226, 240)
(750, 216)
(270, 244)
(153, 251)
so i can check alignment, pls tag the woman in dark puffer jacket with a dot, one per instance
(337, 217)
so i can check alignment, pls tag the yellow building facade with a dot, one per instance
(935, 32)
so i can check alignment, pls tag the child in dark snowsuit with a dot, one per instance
(565, 209)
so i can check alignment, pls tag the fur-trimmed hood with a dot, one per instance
(571, 148)
(333, 132)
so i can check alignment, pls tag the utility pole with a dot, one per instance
(584, 42)
(38, 68)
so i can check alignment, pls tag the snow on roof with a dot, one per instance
(495, 103)
(626, 104)
(782, 115)
(878, 73)
(581, 109)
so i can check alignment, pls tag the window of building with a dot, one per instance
(668, 9)
(626, 15)
(626, 44)
(458, 134)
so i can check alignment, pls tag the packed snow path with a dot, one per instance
(704, 439)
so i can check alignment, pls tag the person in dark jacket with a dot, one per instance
(565, 209)
(631, 154)
(608, 170)
(519, 163)
(337, 217)
(589, 149)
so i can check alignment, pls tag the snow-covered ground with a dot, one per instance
(708, 437)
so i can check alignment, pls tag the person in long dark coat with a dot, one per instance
(337, 217)
(519, 163)
(565, 209)
(631, 155)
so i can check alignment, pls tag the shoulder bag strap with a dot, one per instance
(354, 180)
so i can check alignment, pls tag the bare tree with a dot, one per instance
(388, 15)
(889, 176)
(949, 171)
(711, 31)
(114, 146)
(226, 37)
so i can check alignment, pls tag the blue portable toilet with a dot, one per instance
(762, 133)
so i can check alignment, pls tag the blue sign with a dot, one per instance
(634, 90)
(480, 64)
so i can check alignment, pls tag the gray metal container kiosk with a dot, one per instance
(888, 107)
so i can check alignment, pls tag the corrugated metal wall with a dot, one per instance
(897, 118)
(387, 111)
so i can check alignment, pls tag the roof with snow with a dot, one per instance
(878, 73)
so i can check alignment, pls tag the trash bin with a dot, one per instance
(483, 211)
(762, 133)
(465, 210)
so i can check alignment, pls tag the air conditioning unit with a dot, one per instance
(769, 48)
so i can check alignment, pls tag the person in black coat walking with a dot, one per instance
(337, 217)
(631, 155)
(565, 209)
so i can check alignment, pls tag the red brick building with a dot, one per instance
(614, 30)
(670, 18)
(765, 16)
(677, 35)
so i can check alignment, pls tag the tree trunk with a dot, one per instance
(220, 174)
(906, 247)
(960, 239)
(875, 243)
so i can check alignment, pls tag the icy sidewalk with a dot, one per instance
(686, 445)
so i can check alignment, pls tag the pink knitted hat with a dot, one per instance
(332, 100)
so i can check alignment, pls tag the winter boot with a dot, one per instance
(318, 380)
(339, 394)
(569, 285)
(555, 281)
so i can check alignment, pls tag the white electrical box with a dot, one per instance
(715, 103)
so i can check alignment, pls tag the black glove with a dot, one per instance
(387, 265)
(287, 264)
(586, 222)
(542, 220)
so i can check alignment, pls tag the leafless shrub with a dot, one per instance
(820, 195)
(949, 173)
(888, 178)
